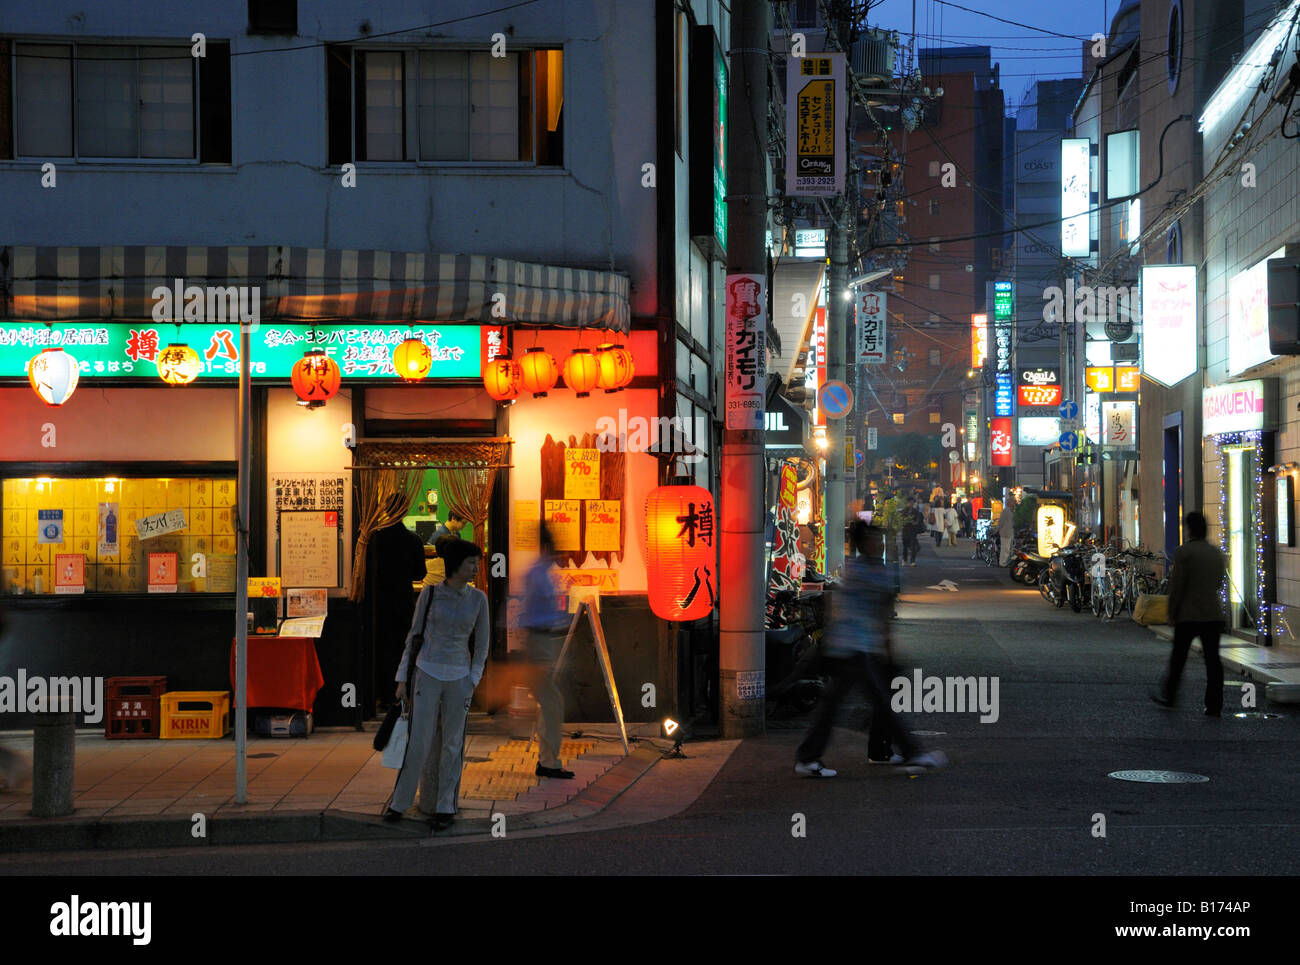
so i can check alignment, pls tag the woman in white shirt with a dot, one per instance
(451, 622)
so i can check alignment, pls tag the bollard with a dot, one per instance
(53, 761)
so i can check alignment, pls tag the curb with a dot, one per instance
(296, 827)
(1276, 689)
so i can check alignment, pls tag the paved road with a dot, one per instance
(1020, 796)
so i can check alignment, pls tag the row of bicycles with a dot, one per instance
(1107, 579)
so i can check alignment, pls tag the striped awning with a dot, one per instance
(309, 284)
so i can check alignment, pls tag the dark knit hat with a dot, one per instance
(455, 551)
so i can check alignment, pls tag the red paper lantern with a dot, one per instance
(538, 372)
(581, 371)
(412, 360)
(315, 378)
(502, 378)
(681, 564)
(616, 368)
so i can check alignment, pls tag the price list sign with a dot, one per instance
(581, 474)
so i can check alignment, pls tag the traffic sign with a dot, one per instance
(872, 437)
(1069, 410)
(858, 457)
(1069, 441)
(835, 399)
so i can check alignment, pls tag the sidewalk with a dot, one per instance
(330, 786)
(1277, 667)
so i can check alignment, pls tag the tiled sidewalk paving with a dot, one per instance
(328, 770)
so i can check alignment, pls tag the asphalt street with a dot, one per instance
(1027, 794)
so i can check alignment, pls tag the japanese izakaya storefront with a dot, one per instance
(119, 490)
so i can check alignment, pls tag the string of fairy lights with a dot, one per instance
(1222, 444)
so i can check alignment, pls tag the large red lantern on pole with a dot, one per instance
(502, 378)
(581, 371)
(538, 371)
(681, 562)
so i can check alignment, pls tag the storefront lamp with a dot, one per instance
(412, 360)
(538, 372)
(315, 377)
(502, 378)
(53, 375)
(179, 365)
(681, 559)
(616, 368)
(581, 371)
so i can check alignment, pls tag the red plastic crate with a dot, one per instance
(133, 709)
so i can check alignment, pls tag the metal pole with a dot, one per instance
(836, 331)
(241, 572)
(743, 589)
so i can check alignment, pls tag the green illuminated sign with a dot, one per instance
(720, 146)
(115, 350)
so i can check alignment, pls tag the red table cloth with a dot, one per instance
(282, 672)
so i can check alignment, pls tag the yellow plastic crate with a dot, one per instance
(207, 714)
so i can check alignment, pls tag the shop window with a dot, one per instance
(57, 531)
(446, 105)
(119, 101)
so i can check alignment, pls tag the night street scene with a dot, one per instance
(652, 439)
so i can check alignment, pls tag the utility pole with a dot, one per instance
(836, 350)
(743, 575)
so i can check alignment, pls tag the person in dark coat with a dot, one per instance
(1195, 611)
(399, 559)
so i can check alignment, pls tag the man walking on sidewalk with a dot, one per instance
(1194, 610)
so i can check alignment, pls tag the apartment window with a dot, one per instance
(898, 418)
(934, 206)
(934, 169)
(934, 245)
(934, 418)
(934, 321)
(446, 105)
(122, 101)
(934, 282)
(934, 358)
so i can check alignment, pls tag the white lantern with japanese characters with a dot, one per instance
(681, 557)
(53, 375)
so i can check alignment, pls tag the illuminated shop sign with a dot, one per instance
(1040, 376)
(979, 340)
(1233, 407)
(1076, 191)
(1004, 399)
(1038, 431)
(1040, 395)
(1248, 316)
(1000, 441)
(1169, 322)
(114, 350)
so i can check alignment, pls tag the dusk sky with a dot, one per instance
(1025, 54)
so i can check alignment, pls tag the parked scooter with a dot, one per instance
(1026, 565)
(1067, 574)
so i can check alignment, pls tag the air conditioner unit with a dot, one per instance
(1284, 306)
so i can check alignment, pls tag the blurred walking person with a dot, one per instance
(858, 655)
(450, 637)
(913, 525)
(545, 622)
(951, 523)
(1194, 610)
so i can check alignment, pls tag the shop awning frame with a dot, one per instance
(452, 453)
(116, 283)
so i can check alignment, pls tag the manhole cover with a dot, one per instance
(267, 754)
(1160, 777)
(929, 733)
(1255, 715)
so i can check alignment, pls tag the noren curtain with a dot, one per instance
(384, 496)
(468, 493)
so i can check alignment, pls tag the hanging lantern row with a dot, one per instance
(610, 368)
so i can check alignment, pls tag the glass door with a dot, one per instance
(1240, 484)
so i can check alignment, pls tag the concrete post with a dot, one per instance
(53, 763)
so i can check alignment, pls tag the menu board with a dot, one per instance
(603, 524)
(564, 522)
(582, 474)
(526, 521)
(221, 574)
(309, 548)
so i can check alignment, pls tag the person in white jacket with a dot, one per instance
(950, 517)
(452, 632)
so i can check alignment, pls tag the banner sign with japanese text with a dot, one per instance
(114, 350)
(746, 366)
(816, 122)
(871, 328)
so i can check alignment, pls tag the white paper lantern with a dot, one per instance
(53, 375)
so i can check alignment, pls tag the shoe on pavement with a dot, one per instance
(813, 769)
(553, 772)
(894, 759)
(391, 815)
(1213, 713)
(1163, 701)
(930, 761)
(441, 822)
